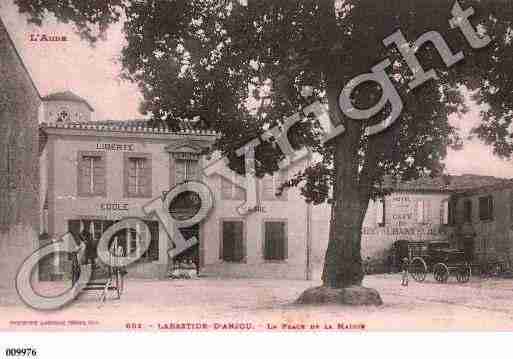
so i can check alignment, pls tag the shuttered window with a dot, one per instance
(91, 175)
(444, 212)
(230, 191)
(275, 241)
(467, 211)
(423, 211)
(380, 212)
(486, 208)
(186, 170)
(271, 185)
(138, 176)
(232, 242)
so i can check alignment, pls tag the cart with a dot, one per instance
(440, 259)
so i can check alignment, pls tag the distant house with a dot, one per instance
(473, 213)
(19, 166)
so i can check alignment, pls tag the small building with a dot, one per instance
(473, 213)
(483, 223)
(93, 174)
(19, 165)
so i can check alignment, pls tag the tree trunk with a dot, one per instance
(343, 262)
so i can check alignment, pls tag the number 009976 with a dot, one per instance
(20, 352)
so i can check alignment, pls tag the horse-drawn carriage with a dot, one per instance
(436, 257)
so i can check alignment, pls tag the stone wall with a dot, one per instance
(19, 171)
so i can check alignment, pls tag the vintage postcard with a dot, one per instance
(256, 166)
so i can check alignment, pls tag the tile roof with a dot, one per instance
(66, 96)
(138, 126)
(459, 183)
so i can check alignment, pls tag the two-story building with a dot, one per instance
(93, 174)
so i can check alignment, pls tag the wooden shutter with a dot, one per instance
(179, 171)
(444, 211)
(233, 241)
(268, 188)
(192, 170)
(99, 176)
(420, 211)
(131, 176)
(146, 177)
(380, 211)
(282, 177)
(84, 175)
(238, 241)
(227, 247)
(275, 247)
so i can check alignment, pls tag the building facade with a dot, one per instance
(483, 221)
(94, 174)
(19, 166)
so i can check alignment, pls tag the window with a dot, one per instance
(275, 241)
(486, 208)
(91, 176)
(447, 212)
(230, 191)
(271, 186)
(126, 238)
(232, 241)
(138, 175)
(186, 170)
(467, 211)
(380, 212)
(423, 211)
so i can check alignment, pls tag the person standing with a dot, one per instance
(405, 263)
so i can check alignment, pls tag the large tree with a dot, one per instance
(241, 67)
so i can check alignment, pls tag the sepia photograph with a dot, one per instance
(244, 166)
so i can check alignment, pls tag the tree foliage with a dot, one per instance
(241, 69)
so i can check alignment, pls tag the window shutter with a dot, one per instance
(239, 242)
(99, 176)
(426, 209)
(192, 170)
(380, 211)
(445, 212)
(131, 179)
(180, 171)
(275, 241)
(282, 178)
(420, 211)
(84, 175)
(146, 177)
(267, 188)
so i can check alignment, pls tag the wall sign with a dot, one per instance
(114, 206)
(123, 147)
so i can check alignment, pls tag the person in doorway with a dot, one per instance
(90, 247)
(405, 263)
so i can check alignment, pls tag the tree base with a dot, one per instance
(353, 295)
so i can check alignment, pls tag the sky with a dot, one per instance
(94, 74)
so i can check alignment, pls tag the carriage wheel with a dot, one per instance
(463, 274)
(418, 269)
(441, 272)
